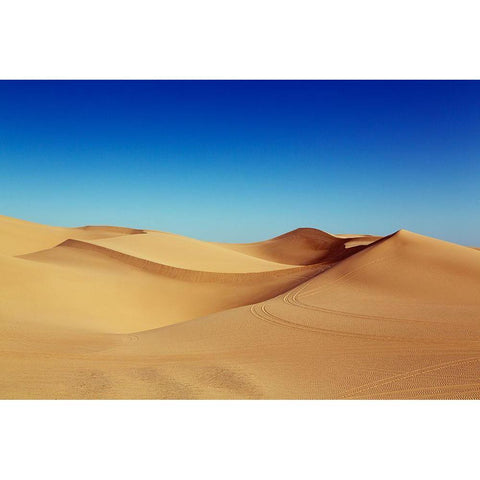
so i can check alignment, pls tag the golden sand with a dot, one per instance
(111, 312)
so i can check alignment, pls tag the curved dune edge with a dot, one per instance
(21, 237)
(108, 228)
(187, 253)
(302, 246)
(186, 274)
(312, 234)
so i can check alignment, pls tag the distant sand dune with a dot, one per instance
(187, 253)
(303, 246)
(18, 237)
(101, 229)
(113, 312)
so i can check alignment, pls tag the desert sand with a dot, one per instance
(102, 312)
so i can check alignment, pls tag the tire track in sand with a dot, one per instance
(260, 311)
(291, 297)
(406, 375)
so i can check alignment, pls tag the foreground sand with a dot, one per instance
(108, 312)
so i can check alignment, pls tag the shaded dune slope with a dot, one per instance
(187, 253)
(102, 229)
(169, 271)
(303, 246)
(356, 240)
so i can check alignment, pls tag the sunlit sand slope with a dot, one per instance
(18, 237)
(183, 252)
(304, 315)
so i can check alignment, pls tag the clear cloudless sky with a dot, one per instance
(242, 161)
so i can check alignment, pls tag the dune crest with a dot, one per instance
(19, 237)
(150, 266)
(303, 246)
(109, 229)
(187, 253)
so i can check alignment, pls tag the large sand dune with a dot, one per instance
(112, 312)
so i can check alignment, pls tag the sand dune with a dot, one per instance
(112, 312)
(183, 252)
(86, 286)
(18, 237)
(303, 246)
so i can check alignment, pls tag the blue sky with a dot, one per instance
(244, 161)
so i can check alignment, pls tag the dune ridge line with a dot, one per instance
(187, 274)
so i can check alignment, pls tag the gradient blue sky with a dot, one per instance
(244, 160)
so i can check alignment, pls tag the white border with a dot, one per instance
(239, 439)
(189, 39)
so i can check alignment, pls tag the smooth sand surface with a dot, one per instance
(183, 252)
(18, 236)
(112, 312)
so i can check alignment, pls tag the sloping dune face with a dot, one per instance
(112, 312)
(18, 237)
(187, 253)
(304, 246)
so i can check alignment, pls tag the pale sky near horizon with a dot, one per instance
(241, 161)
